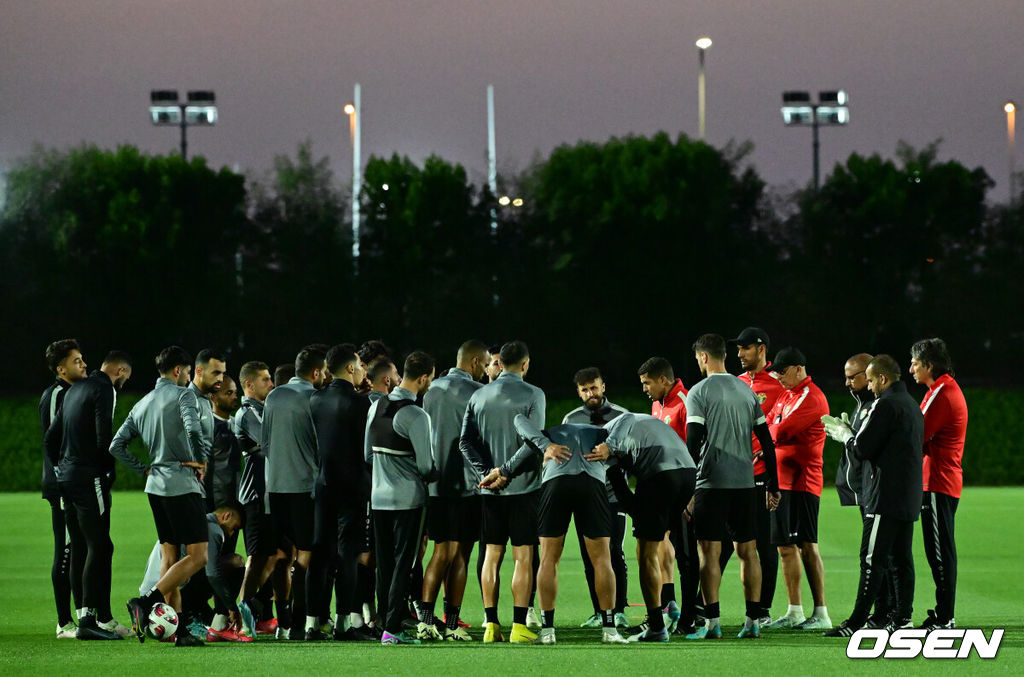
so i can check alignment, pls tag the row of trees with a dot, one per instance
(622, 250)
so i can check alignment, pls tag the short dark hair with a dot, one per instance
(712, 344)
(418, 364)
(494, 350)
(58, 351)
(310, 358)
(206, 354)
(657, 367)
(340, 356)
(283, 373)
(472, 348)
(373, 350)
(513, 352)
(249, 371)
(118, 357)
(885, 364)
(935, 354)
(586, 375)
(381, 367)
(171, 357)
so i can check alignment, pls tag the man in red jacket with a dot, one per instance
(799, 435)
(945, 431)
(668, 404)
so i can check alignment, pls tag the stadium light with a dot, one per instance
(353, 110)
(702, 100)
(199, 109)
(1011, 128)
(830, 111)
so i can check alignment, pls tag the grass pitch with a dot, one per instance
(990, 595)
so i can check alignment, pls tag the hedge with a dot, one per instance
(994, 433)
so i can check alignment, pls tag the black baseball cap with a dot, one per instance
(788, 357)
(751, 336)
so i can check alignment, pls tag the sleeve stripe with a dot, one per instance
(695, 419)
(932, 398)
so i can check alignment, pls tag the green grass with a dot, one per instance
(990, 594)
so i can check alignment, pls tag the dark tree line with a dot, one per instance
(621, 250)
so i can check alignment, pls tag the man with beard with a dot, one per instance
(225, 456)
(288, 439)
(167, 420)
(493, 368)
(77, 444)
(383, 377)
(64, 359)
(207, 378)
(889, 440)
(342, 490)
(752, 351)
(945, 432)
(668, 404)
(597, 410)
(723, 416)
(453, 508)
(799, 437)
(267, 553)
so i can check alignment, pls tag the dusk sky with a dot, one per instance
(81, 70)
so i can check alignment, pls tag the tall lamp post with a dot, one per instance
(200, 109)
(1011, 129)
(829, 111)
(354, 112)
(702, 99)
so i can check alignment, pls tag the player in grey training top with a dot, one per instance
(398, 446)
(722, 415)
(167, 421)
(489, 439)
(453, 509)
(598, 410)
(290, 446)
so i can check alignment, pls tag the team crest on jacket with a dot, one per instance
(761, 397)
(668, 419)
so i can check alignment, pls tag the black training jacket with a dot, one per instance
(852, 472)
(49, 404)
(890, 439)
(82, 430)
(339, 417)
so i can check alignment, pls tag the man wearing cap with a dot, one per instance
(752, 350)
(795, 424)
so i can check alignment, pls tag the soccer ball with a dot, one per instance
(163, 621)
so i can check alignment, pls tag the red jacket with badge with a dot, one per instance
(673, 411)
(795, 424)
(945, 431)
(767, 389)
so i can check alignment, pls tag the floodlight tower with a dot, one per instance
(200, 109)
(830, 111)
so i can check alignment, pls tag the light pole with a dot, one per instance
(830, 111)
(702, 100)
(353, 110)
(1011, 130)
(492, 156)
(165, 111)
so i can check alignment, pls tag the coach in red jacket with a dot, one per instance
(799, 435)
(945, 431)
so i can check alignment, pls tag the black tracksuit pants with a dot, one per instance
(66, 579)
(684, 540)
(397, 535)
(938, 512)
(884, 537)
(340, 535)
(618, 561)
(91, 525)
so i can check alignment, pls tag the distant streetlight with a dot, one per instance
(1011, 129)
(702, 46)
(199, 110)
(830, 111)
(353, 111)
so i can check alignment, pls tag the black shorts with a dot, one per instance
(453, 518)
(660, 500)
(574, 496)
(294, 516)
(180, 520)
(510, 519)
(795, 521)
(726, 514)
(261, 536)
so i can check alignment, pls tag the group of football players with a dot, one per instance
(339, 468)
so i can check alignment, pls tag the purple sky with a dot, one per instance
(563, 70)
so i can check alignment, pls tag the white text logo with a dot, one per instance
(908, 643)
